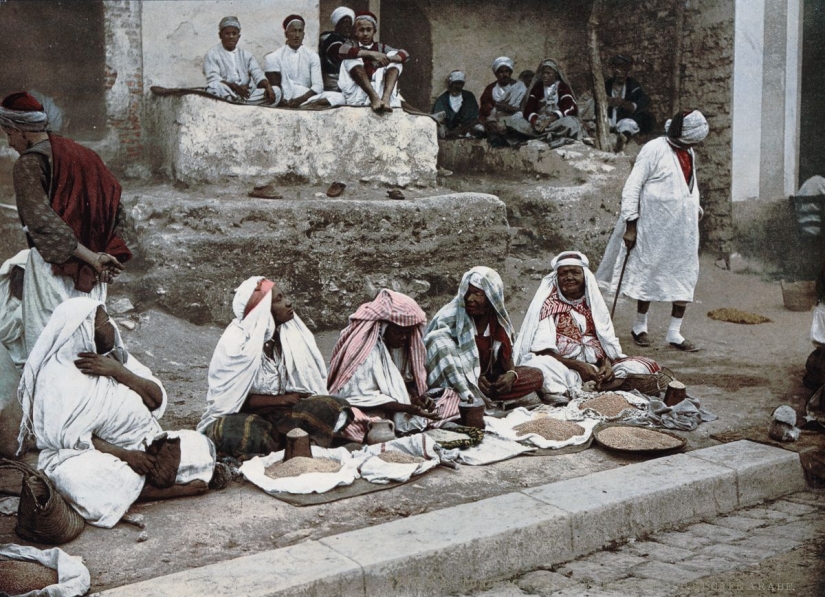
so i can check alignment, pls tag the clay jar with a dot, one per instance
(380, 431)
(472, 416)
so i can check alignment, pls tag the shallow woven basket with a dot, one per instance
(651, 384)
(43, 515)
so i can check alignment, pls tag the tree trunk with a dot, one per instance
(603, 141)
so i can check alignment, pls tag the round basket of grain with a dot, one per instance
(607, 404)
(637, 440)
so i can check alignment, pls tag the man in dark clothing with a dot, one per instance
(460, 108)
(627, 101)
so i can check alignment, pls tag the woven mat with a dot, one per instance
(358, 487)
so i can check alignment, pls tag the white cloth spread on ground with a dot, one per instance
(239, 363)
(377, 470)
(537, 334)
(254, 471)
(73, 577)
(493, 448)
(664, 264)
(239, 67)
(300, 70)
(354, 95)
(504, 427)
(64, 408)
(11, 310)
(43, 291)
(637, 402)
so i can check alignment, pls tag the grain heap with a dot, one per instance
(18, 578)
(609, 404)
(400, 458)
(636, 438)
(300, 465)
(550, 428)
(737, 316)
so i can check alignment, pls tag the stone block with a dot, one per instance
(673, 573)
(642, 587)
(545, 582)
(745, 553)
(614, 558)
(197, 139)
(307, 569)
(329, 255)
(763, 472)
(639, 499)
(587, 571)
(792, 508)
(719, 534)
(710, 564)
(654, 550)
(457, 549)
(740, 523)
(686, 541)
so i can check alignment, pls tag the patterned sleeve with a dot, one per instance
(52, 237)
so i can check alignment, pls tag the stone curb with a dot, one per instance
(460, 548)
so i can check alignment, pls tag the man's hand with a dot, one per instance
(378, 57)
(629, 235)
(140, 462)
(269, 94)
(588, 372)
(614, 102)
(605, 374)
(240, 90)
(92, 363)
(505, 383)
(484, 385)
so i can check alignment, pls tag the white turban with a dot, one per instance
(570, 258)
(33, 121)
(503, 61)
(341, 12)
(456, 75)
(242, 295)
(694, 128)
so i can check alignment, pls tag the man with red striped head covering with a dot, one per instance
(69, 206)
(294, 69)
(378, 364)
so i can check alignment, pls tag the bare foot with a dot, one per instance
(385, 106)
(376, 105)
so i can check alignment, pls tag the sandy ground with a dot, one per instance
(741, 374)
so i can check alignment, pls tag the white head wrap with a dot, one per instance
(456, 75)
(27, 121)
(229, 22)
(503, 61)
(242, 295)
(570, 258)
(368, 17)
(694, 128)
(341, 12)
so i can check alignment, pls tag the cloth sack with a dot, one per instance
(72, 576)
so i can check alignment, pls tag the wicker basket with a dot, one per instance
(43, 515)
(651, 384)
(798, 296)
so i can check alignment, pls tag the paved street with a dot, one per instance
(770, 549)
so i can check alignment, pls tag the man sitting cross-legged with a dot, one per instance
(370, 69)
(294, 69)
(267, 377)
(92, 409)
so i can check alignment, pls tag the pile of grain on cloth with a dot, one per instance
(399, 459)
(72, 576)
(255, 471)
(545, 427)
(607, 406)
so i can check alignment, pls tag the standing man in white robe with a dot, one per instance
(658, 228)
(294, 69)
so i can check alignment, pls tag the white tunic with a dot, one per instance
(664, 264)
(300, 70)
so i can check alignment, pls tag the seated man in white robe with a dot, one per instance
(294, 69)
(92, 409)
(567, 334)
(267, 377)
(233, 74)
(378, 365)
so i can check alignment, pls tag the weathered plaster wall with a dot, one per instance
(646, 31)
(197, 139)
(178, 33)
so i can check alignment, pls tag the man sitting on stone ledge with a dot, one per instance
(459, 108)
(501, 101)
(233, 74)
(267, 377)
(378, 365)
(92, 409)
(293, 69)
(330, 43)
(568, 334)
(370, 69)
(550, 107)
(470, 345)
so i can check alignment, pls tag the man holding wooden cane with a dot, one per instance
(657, 236)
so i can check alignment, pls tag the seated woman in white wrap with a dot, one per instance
(267, 377)
(378, 364)
(568, 334)
(92, 409)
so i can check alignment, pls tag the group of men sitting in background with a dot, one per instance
(353, 69)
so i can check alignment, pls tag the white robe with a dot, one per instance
(237, 66)
(11, 311)
(355, 96)
(664, 264)
(300, 70)
(64, 409)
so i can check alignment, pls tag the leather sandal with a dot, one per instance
(640, 339)
(335, 189)
(685, 346)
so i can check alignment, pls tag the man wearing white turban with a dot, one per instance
(459, 106)
(501, 100)
(658, 228)
(331, 41)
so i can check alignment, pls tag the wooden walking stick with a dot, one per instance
(619, 285)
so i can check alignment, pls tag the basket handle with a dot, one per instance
(21, 467)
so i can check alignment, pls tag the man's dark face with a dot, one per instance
(455, 87)
(104, 332)
(344, 27)
(281, 306)
(503, 75)
(295, 35)
(475, 301)
(230, 37)
(364, 31)
(396, 336)
(620, 72)
(571, 281)
(17, 140)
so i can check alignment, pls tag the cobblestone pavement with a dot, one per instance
(775, 548)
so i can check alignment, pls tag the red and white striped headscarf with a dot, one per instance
(358, 339)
